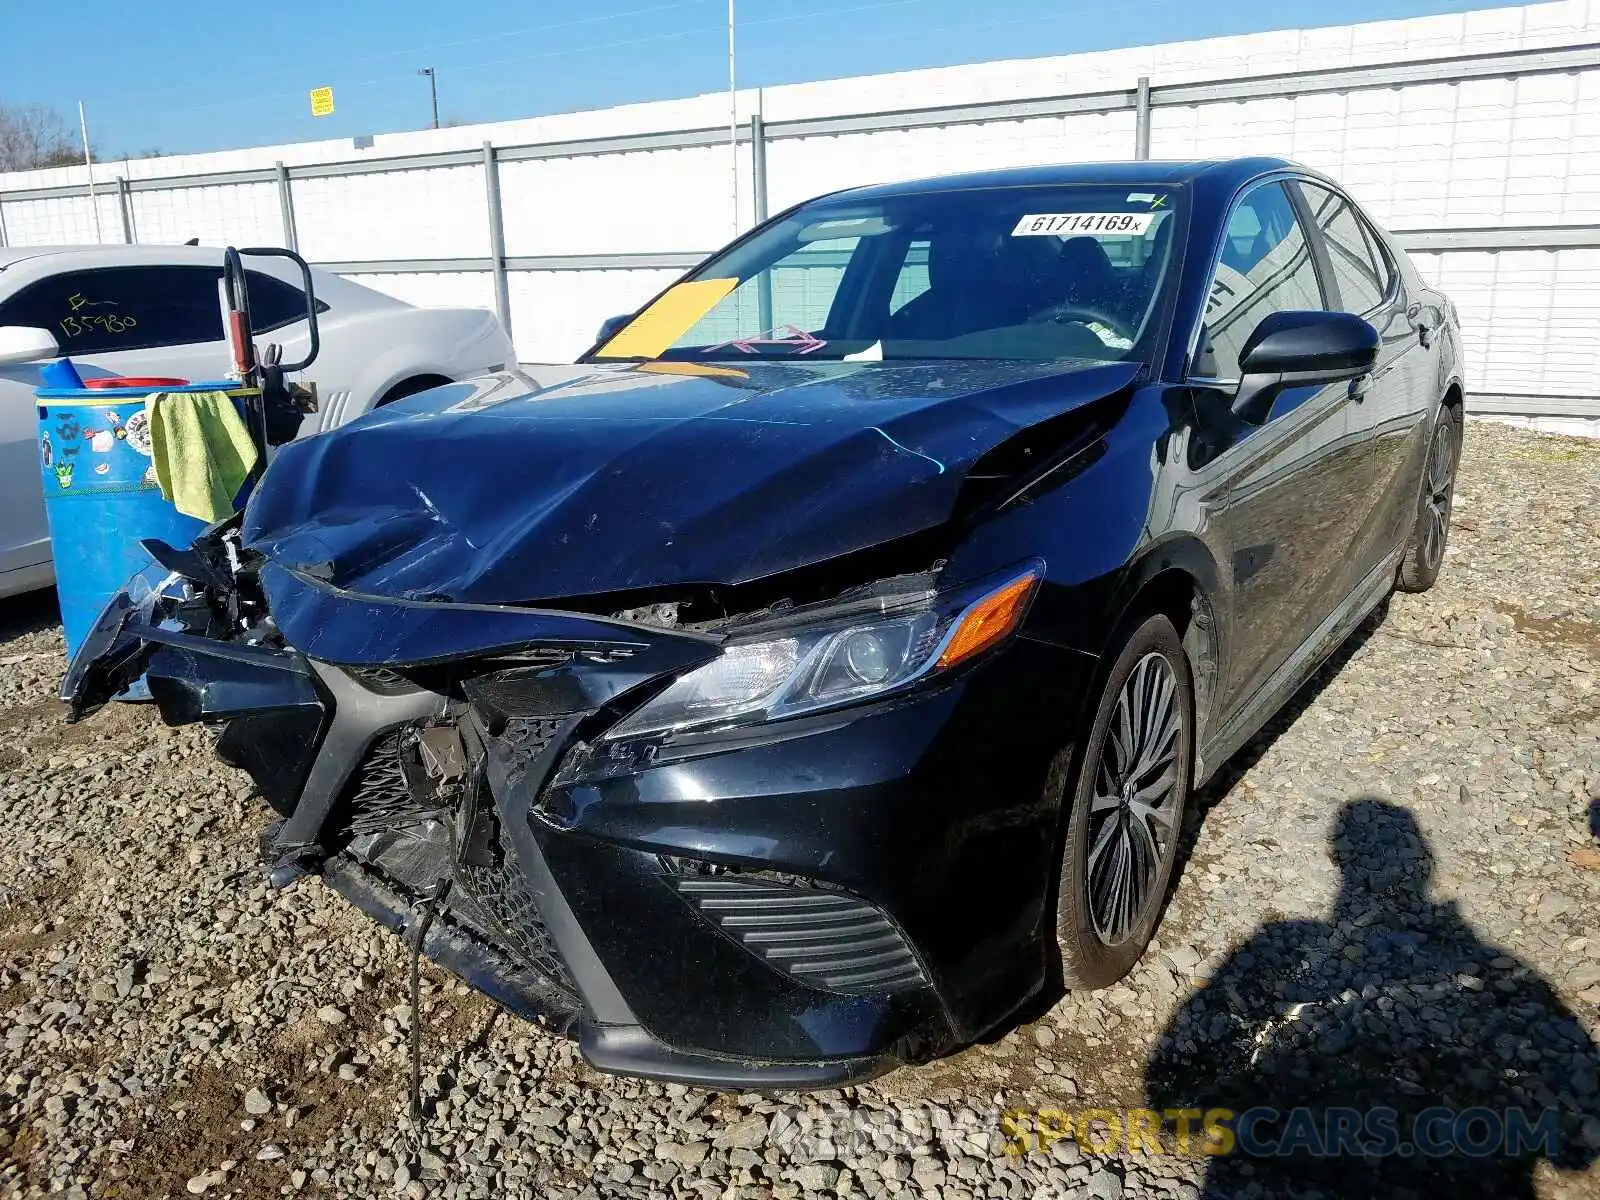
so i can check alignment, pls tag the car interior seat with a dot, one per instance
(974, 280)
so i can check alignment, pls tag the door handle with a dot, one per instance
(1425, 334)
(1361, 383)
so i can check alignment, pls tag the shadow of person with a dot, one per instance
(1385, 1052)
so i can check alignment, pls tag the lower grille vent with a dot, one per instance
(823, 938)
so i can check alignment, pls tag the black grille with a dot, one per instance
(525, 739)
(499, 892)
(493, 888)
(412, 840)
(823, 938)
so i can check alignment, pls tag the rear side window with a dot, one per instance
(122, 308)
(144, 307)
(274, 303)
(1359, 267)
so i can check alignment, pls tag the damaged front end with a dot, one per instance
(625, 845)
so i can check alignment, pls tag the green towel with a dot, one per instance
(201, 451)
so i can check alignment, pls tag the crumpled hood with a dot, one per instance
(567, 481)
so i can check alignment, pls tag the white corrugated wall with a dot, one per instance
(1477, 154)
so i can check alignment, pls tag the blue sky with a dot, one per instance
(183, 76)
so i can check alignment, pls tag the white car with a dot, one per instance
(155, 311)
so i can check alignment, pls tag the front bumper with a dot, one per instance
(804, 905)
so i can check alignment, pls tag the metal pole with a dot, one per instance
(1141, 119)
(497, 237)
(758, 161)
(758, 185)
(88, 164)
(433, 91)
(125, 203)
(733, 122)
(291, 235)
(3, 241)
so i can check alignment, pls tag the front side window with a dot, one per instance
(1041, 273)
(1359, 268)
(1264, 266)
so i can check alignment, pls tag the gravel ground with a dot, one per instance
(171, 1026)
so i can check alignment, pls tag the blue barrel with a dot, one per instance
(100, 494)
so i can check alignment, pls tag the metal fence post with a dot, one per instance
(291, 235)
(1141, 118)
(758, 164)
(3, 241)
(497, 236)
(125, 204)
(758, 185)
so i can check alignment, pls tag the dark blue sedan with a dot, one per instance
(822, 667)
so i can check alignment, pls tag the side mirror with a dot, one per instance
(24, 344)
(610, 326)
(1293, 349)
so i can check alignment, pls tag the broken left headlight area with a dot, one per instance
(383, 772)
(208, 591)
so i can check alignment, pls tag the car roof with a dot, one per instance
(1226, 172)
(329, 287)
(117, 254)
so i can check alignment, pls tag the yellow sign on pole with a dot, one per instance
(321, 101)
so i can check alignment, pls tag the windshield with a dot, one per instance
(1015, 273)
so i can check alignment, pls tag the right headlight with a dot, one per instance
(832, 660)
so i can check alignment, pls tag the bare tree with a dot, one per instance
(34, 136)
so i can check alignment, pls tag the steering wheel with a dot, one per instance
(1083, 314)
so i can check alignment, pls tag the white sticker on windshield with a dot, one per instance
(1067, 224)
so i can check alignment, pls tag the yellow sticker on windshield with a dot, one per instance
(700, 370)
(667, 320)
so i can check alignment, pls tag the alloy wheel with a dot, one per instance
(1137, 799)
(1438, 491)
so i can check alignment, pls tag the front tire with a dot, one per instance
(1424, 555)
(1128, 800)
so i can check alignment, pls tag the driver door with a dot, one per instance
(1278, 497)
